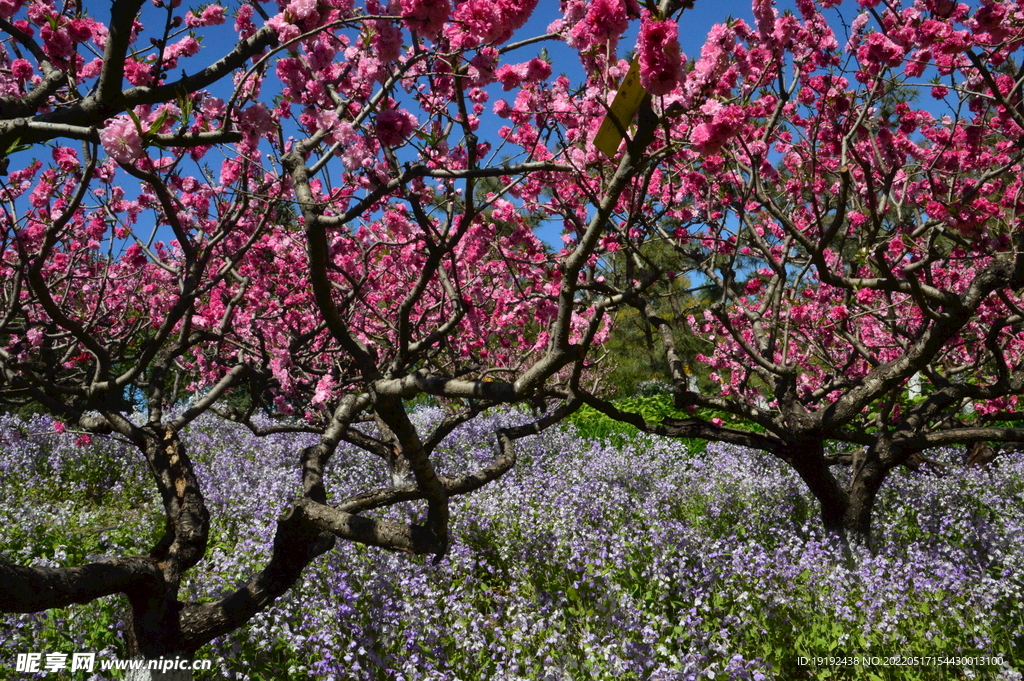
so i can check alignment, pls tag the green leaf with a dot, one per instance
(138, 123)
(157, 124)
(17, 146)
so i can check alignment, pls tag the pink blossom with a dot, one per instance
(856, 31)
(230, 170)
(477, 22)
(481, 67)
(257, 119)
(878, 49)
(345, 132)
(91, 69)
(187, 46)
(135, 256)
(121, 139)
(41, 194)
(537, 70)
(59, 427)
(426, 18)
(324, 387)
(80, 30)
(66, 158)
(243, 20)
(34, 336)
(765, 15)
(326, 120)
(509, 77)
(8, 8)
(57, 41)
(213, 107)
(512, 76)
(725, 122)
(213, 15)
(387, 41)
(604, 21)
(394, 126)
(99, 35)
(661, 61)
(286, 30)
(300, 10)
(502, 108)
(138, 73)
(25, 26)
(21, 69)
(914, 68)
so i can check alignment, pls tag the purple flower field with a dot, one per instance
(589, 560)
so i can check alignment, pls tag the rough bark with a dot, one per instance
(807, 457)
(33, 589)
(867, 476)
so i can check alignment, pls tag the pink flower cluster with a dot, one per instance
(879, 50)
(394, 126)
(661, 61)
(21, 69)
(604, 22)
(387, 41)
(512, 76)
(725, 121)
(213, 15)
(483, 22)
(426, 18)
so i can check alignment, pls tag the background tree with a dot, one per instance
(854, 240)
(636, 356)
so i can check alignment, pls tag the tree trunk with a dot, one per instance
(154, 634)
(807, 456)
(154, 631)
(399, 467)
(867, 477)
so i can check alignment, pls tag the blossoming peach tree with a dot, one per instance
(858, 198)
(314, 208)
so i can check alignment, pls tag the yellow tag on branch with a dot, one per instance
(624, 106)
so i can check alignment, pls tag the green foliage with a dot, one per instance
(595, 425)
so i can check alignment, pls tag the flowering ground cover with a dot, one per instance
(636, 559)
